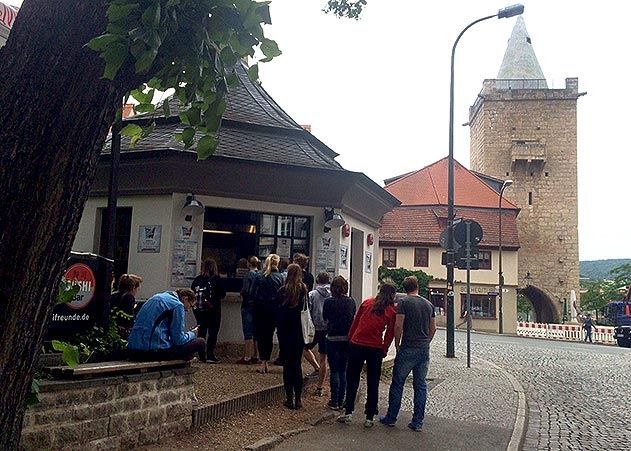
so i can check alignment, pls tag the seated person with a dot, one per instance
(158, 332)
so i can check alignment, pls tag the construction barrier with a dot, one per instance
(568, 332)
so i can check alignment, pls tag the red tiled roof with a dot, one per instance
(428, 186)
(424, 224)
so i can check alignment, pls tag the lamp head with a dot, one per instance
(507, 183)
(332, 220)
(192, 207)
(510, 11)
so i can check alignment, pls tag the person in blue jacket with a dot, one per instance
(159, 333)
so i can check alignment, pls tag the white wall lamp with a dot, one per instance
(192, 207)
(332, 220)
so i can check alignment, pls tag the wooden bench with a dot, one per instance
(114, 368)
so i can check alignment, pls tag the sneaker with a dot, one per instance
(298, 404)
(386, 422)
(345, 419)
(213, 360)
(289, 404)
(333, 406)
(243, 361)
(415, 428)
(368, 423)
(319, 392)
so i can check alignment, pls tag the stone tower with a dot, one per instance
(524, 131)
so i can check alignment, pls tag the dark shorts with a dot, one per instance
(247, 322)
(318, 339)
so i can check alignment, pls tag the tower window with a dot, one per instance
(507, 174)
(528, 40)
(547, 174)
(530, 198)
(532, 174)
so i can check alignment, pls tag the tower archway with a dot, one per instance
(542, 304)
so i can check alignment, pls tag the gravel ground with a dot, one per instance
(215, 383)
(236, 432)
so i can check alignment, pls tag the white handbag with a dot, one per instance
(308, 329)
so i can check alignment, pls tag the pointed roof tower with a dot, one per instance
(520, 61)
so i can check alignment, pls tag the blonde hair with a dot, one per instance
(271, 263)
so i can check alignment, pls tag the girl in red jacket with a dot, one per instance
(369, 344)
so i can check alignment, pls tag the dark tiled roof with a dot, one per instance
(246, 145)
(254, 127)
(246, 102)
(423, 225)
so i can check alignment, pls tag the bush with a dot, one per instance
(396, 276)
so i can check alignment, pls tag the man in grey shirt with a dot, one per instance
(414, 329)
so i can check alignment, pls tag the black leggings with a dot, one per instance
(265, 324)
(292, 371)
(209, 322)
(356, 358)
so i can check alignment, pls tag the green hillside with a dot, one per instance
(600, 269)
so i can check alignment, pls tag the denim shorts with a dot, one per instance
(318, 339)
(247, 321)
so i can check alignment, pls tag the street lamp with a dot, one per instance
(505, 185)
(509, 11)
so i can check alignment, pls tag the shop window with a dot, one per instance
(482, 306)
(421, 257)
(389, 258)
(485, 259)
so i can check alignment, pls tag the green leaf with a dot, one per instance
(228, 57)
(253, 73)
(103, 41)
(131, 130)
(70, 353)
(33, 396)
(143, 97)
(145, 108)
(166, 108)
(144, 63)
(118, 11)
(66, 293)
(114, 55)
(270, 48)
(188, 136)
(193, 116)
(151, 16)
(206, 147)
(263, 12)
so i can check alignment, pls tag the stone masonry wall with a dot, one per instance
(548, 227)
(119, 412)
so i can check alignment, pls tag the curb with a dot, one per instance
(521, 417)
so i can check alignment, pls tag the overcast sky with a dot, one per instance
(377, 90)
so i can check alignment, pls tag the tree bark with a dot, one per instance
(55, 112)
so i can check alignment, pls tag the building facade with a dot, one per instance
(410, 239)
(264, 191)
(522, 130)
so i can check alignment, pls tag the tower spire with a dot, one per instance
(520, 61)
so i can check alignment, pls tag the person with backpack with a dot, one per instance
(266, 308)
(316, 303)
(292, 298)
(248, 293)
(208, 292)
(369, 344)
(338, 312)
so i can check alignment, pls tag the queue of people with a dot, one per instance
(346, 337)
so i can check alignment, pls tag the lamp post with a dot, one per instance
(500, 274)
(509, 11)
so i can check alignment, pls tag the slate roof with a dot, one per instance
(422, 225)
(520, 61)
(254, 127)
(428, 186)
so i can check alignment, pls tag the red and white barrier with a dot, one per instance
(569, 332)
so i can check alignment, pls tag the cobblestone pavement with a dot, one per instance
(578, 394)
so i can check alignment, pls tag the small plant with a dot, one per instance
(397, 275)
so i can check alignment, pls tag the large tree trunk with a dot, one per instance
(55, 112)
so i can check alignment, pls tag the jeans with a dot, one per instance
(183, 352)
(373, 357)
(588, 335)
(247, 322)
(337, 354)
(415, 360)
